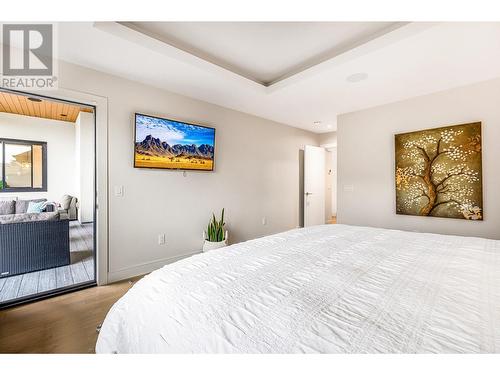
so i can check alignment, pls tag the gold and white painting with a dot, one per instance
(439, 172)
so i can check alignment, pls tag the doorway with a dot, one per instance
(47, 196)
(319, 185)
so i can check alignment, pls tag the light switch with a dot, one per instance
(118, 191)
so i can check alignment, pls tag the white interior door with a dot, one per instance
(314, 186)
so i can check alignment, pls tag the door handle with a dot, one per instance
(308, 193)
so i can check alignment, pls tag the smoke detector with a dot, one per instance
(357, 77)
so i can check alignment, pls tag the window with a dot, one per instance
(23, 165)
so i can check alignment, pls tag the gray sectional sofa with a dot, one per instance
(31, 241)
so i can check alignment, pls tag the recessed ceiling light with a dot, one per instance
(330, 126)
(357, 77)
(317, 123)
(36, 100)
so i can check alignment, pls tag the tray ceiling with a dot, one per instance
(264, 52)
(414, 59)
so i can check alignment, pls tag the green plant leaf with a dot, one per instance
(215, 228)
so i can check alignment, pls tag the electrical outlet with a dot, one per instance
(349, 188)
(161, 239)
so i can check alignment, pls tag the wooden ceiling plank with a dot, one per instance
(31, 110)
(20, 104)
(12, 105)
(74, 113)
(71, 112)
(87, 109)
(61, 112)
(2, 108)
(66, 111)
(36, 107)
(24, 105)
(60, 108)
(48, 109)
(12, 102)
(42, 109)
(6, 102)
(53, 111)
(17, 103)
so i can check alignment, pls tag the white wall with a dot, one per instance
(328, 139)
(84, 166)
(366, 158)
(256, 176)
(60, 138)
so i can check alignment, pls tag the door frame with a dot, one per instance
(100, 103)
(101, 243)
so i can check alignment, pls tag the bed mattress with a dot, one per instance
(324, 289)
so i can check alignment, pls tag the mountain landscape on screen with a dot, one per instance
(162, 143)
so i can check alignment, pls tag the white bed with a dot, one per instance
(325, 289)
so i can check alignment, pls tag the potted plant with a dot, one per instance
(215, 236)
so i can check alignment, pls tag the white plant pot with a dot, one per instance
(208, 245)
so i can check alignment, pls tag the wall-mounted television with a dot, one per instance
(168, 144)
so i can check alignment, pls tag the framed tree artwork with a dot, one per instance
(439, 172)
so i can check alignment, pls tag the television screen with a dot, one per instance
(168, 144)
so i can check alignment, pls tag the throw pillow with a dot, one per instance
(35, 207)
(66, 201)
(7, 207)
(22, 205)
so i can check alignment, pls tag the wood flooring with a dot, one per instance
(63, 324)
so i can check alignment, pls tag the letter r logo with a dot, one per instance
(27, 50)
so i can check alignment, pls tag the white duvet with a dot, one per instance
(326, 289)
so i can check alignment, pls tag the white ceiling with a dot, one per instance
(236, 65)
(264, 52)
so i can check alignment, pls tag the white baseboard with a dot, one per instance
(144, 268)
